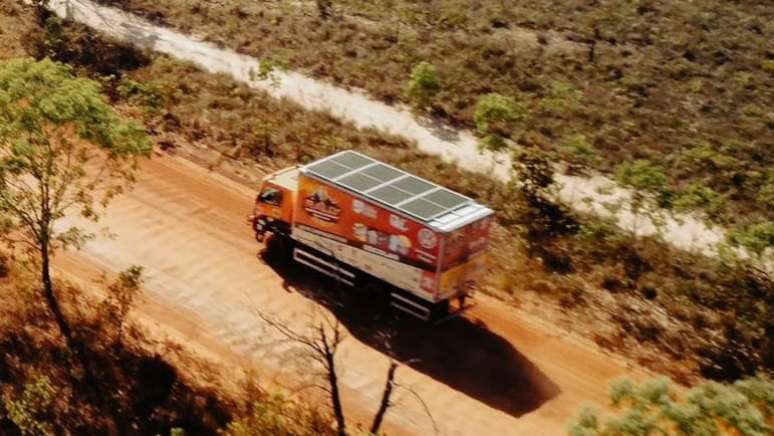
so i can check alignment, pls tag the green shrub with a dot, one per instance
(643, 175)
(140, 94)
(704, 155)
(496, 116)
(562, 97)
(766, 192)
(656, 408)
(274, 415)
(755, 238)
(29, 412)
(698, 196)
(578, 145)
(424, 84)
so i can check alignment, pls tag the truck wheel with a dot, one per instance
(439, 311)
(376, 293)
(280, 248)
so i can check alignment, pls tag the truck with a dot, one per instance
(370, 225)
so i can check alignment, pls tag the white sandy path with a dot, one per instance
(588, 194)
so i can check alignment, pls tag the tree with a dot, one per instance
(320, 341)
(424, 84)
(495, 117)
(62, 150)
(656, 408)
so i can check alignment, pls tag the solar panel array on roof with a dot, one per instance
(387, 185)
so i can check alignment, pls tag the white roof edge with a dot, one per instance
(463, 220)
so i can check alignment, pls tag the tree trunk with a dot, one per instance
(385, 404)
(48, 290)
(338, 410)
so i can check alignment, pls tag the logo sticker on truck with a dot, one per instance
(427, 239)
(322, 206)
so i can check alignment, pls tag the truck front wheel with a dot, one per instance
(279, 248)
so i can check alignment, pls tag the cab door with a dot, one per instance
(269, 202)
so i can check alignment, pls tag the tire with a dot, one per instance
(280, 248)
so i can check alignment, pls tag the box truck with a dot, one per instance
(373, 226)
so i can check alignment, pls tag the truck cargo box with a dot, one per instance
(407, 231)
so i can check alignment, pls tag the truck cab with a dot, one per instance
(275, 203)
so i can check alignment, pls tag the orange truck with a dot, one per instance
(371, 225)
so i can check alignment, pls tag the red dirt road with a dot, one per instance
(494, 372)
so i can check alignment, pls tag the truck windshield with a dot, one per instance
(271, 196)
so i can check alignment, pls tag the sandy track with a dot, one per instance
(494, 372)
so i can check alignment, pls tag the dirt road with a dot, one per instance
(494, 372)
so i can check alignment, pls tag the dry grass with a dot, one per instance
(642, 80)
(15, 24)
(132, 388)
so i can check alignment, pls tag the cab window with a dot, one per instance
(271, 196)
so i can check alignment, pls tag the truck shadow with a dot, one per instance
(461, 353)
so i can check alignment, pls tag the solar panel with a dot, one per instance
(359, 182)
(352, 160)
(445, 198)
(390, 195)
(328, 169)
(422, 208)
(383, 172)
(389, 186)
(414, 185)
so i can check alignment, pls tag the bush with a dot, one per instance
(30, 412)
(755, 238)
(561, 97)
(140, 94)
(424, 84)
(698, 196)
(275, 415)
(579, 147)
(655, 407)
(496, 116)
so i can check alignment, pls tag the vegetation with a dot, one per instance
(755, 238)
(424, 84)
(62, 150)
(675, 312)
(496, 116)
(745, 408)
(641, 80)
(140, 385)
(650, 193)
(543, 255)
(319, 340)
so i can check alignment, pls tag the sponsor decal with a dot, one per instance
(321, 206)
(427, 239)
(362, 208)
(398, 222)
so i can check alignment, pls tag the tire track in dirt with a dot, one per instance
(185, 226)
